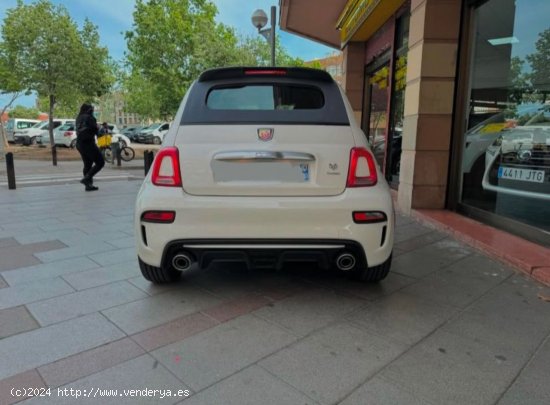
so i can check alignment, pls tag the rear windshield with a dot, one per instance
(265, 97)
(265, 101)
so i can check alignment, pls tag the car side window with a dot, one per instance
(164, 127)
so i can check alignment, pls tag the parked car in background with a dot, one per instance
(17, 125)
(133, 132)
(264, 166)
(40, 134)
(154, 134)
(65, 135)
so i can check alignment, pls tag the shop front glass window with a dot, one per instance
(377, 120)
(506, 157)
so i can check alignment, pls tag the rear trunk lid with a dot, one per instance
(232, 160)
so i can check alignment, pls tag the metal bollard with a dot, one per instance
(11, 171)
(146, 161)
(115, 149)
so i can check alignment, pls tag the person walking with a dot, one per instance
(86, 131)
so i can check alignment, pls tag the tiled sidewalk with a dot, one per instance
(448, 326)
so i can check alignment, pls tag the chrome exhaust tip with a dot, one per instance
(181, 261)
(345, 262)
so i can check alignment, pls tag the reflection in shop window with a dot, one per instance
(506, 159)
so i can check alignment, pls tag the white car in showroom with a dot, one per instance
(264, 166)
(518, 162)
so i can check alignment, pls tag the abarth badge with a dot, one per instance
(265, 134)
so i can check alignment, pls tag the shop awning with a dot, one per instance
(336, 22)
(314, 20)
(360, 19)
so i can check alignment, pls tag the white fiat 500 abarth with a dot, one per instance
(264, 166)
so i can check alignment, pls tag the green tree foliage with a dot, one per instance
(52, 57)
(172, 42)
(540, 64)
(20, 111)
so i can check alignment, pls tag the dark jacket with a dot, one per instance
(86, 126)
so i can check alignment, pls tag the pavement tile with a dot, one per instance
(226, 282)
(102, 275)
(22, 255)
(306, 312)
(115, 256)
(368, 291)
(155, 289)
(285, 290)
(48, 270)
(402, 317)
(108, 387)
(74, 251)
(173, 331)
(237, 307)
(330, 363)
(378, 391)
(147, 313)
(22, 382)
(449, 369)
(84, 302)
(409, 231)
(210, 356)
(15, 320)
(67, 236)
(35, 348)
(251, 386)
(26, 293)
(511, 316)
(462, 282)
(531, 387)
(124, 242)
(420, 262)
(8, 242)
(420, 241)
(83, 364)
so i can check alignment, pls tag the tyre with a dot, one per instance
(127, 154)
(72, 145)
(107, 155)
(372, 274)
(34, 141)
(158, 275)
(157, 140)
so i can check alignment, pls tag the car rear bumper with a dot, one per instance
(237, 223)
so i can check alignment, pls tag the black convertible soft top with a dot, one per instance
(332, 112)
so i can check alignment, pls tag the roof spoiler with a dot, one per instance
(240, 72)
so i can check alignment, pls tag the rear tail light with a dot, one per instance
(362, 169)
(364, 217)
(166, 168)
(162, 217)
(68, 133)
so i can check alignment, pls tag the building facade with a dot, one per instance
(453, 96)
(333, 64)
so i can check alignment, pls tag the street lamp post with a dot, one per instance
(259, 20)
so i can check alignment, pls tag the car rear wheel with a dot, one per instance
(372, 274)
(158, 275)
(72, 145)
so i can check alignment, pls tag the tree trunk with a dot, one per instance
(50, 130)
(4, 145)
